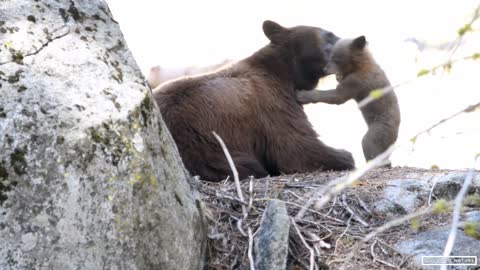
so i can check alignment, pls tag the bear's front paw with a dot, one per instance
(304, 96)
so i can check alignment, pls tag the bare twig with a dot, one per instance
(456, 213)
(397, 222)
(250, 192)
(250, 249)
(234, 171)
(342, 234)
(363, 205)
(467, 109)
(458, 41)
(431, 191)
(266, 187)
(240, 195)
(376, 259)
(352, 213)
(332, 206)
(312, 254)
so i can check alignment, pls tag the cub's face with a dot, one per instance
(346, 56)
(309, 47)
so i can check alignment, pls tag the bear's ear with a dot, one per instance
(273, 31)
(359, 43)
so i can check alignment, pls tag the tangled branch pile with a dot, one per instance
(330, 232)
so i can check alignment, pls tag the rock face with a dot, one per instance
(432, 243)
(89, 175)
(402, 196)
(271, 242)
(450, 184)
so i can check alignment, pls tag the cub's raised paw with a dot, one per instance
(305, 97)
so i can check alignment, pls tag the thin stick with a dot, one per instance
(364, 205)
(312, 253)
(467, 109)
(431, 191)
(352, 213)
(234, 171)
(250, 249)
(341, 235)
(376, 259)
(250, 191)
(456, 214)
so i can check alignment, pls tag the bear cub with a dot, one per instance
(358, 74)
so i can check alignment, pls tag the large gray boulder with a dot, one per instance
(89, 175)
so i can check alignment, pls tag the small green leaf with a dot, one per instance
(376, 94)
(110, 197)
(466, 28)
(476, 56)
(413, 139)
(472, 229)
(7, 44)
(440, 206)
(434, 167)
(415, 224)
(423, 72)
(472, 200)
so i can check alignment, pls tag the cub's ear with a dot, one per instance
(274, 31)
(359, 43)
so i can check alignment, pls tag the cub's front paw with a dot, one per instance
(304, 96)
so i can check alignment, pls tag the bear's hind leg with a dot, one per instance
(376, 141)
(248, 166)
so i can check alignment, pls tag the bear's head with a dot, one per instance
(308, 47)
(348, 56)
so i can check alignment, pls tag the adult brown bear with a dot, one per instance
(252, 106)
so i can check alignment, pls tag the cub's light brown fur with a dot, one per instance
(358, 74)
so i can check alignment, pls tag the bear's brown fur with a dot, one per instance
(358, 74)
(252, 106)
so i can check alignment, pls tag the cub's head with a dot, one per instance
(348, 55)
(308, 47)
